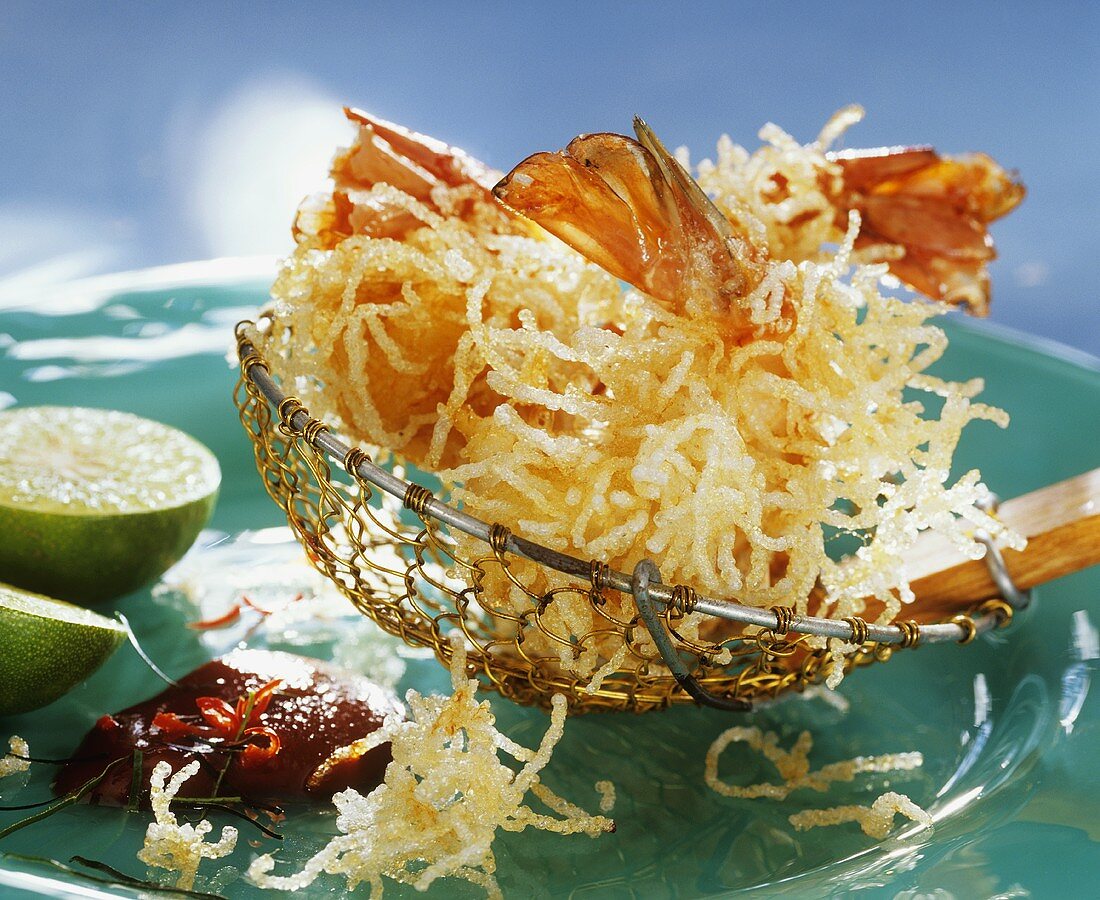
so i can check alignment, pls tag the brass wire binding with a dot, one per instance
(425, 588)
(911, 631)
(684, 599)
(967, 623)
(353, 459)
(417, 498)
(498, 538)
(312, 429)
(784, 619)
(859, 630)
(995, 607)
(597, 575)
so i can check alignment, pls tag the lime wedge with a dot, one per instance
(95, 503)
(47, 647)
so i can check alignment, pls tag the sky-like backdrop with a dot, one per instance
(139, 134)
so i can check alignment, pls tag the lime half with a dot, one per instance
(96, 503)
(48, 647)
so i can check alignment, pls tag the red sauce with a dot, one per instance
(314, 710)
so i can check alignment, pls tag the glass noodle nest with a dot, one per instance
(733, 418)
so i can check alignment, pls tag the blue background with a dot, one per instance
(141, 134)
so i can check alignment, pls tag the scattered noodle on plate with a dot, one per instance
(444, 797)
(794, 767)
(876, 820)
(607, 795)
(11, 763)
(172, 846)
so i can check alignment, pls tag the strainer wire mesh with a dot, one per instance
(412, 581)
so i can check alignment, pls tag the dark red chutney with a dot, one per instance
(314, 709)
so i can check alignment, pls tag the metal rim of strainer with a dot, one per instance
(645, 582)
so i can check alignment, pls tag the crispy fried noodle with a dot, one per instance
(748, 397)
(15, 761)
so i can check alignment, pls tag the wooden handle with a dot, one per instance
(1062, 526)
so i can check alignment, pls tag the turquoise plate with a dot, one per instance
(1009, 733)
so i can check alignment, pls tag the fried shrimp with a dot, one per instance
(924, 214)
(443, 178)
(630, 207)
(936, 209)
(397, 268)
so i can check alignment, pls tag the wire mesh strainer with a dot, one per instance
(414, 583)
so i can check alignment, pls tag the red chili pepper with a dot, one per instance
(107, 723)
(261, 700)
(219, 715)
(173, 726)
(251, 604)
(234, 613)
(219, 622)
(254, 754)
(230, 723)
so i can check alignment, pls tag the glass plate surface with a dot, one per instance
(1008, 729)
